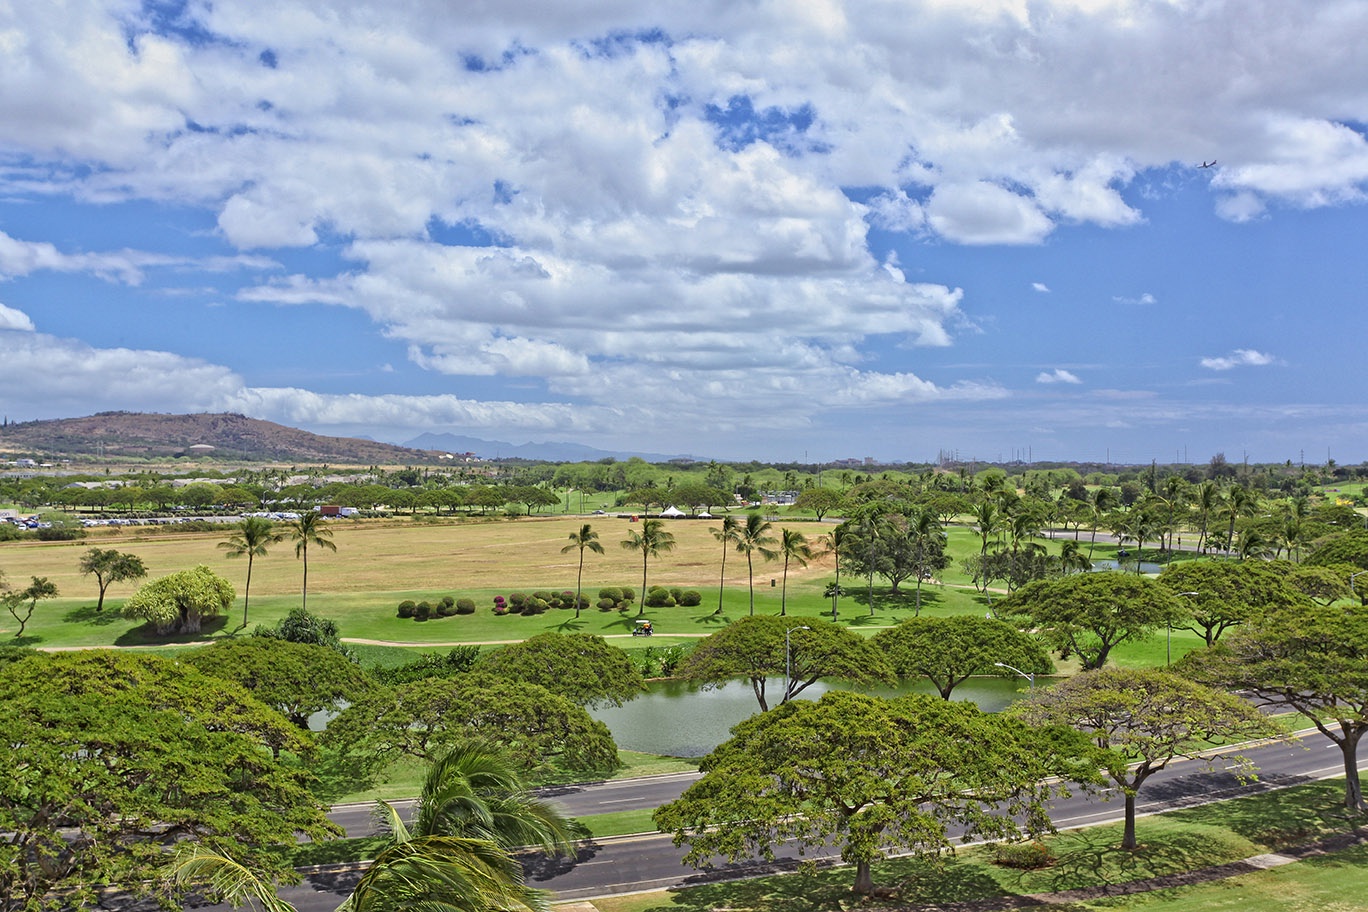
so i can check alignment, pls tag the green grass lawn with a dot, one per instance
(379, 565)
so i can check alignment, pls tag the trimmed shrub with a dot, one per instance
(611, 592)
(447, 606)
(516, 600)
(628, 594)
(1024, 856)
(676, 593)
(659, 597)
(406, 608)
(690, 598)
(423, 611)
(606, 604)
(465, 606)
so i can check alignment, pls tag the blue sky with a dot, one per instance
(766, 230)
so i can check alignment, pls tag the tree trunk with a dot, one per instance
(1353, 788)
(247, 592)
(1128, 840)
(864, 879)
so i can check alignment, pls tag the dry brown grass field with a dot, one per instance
(399, 556)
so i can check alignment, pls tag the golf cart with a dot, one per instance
(642, 628)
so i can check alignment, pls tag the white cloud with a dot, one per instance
(1058, 375)
(645, 245)
(984, 213)
(1144, 300)
(14, 320)
(1040, 287)
(1241, 357)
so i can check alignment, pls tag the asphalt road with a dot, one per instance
(625, 864)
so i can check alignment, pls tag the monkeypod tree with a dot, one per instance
(1145, 719)
(949, 650)
(297, 679)
(872, 776)
(798, 651)
(111, 759)
(579, 666)
(1222, 594)
(1090, 614)
(1311, 660)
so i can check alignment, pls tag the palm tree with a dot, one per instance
(250, 539)
(584, 538)
(1207, 501)
(753, 538)
(652, 541)
(924, 531)
(1241, 501)
(218, 874)
(987, 521)
(1104, 499)
(308, 530)
(1072, 559)
(794, 546)
(830, 543)
(727, 536)
(474, 810)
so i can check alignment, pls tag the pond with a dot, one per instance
(1128, 566)
(678, 720)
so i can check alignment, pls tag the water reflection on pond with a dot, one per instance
(675, 719)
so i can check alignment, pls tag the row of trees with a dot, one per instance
(873, 776)
(112, 759)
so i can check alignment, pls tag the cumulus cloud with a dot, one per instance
(1241, 357)
(1058, 375)
(1040, 287)
(14, 320)
(611, 201)
(984, 213)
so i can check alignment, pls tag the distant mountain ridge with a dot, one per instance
(546, 452)
(228, 436)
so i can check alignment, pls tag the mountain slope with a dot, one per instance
(140, 435)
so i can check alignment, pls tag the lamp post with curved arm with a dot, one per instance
(1029, 676)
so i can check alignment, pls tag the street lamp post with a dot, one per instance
(788, 660)
(1029, 676)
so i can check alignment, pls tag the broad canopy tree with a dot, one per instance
(872, 776)
(754, 648)
(1311, 660)
(539, 731)
(950, 650)
(297, 679)
(1221, 594)
(110, 758)
(110, 566)
(179, 602)
(1090, 614)
(579, 666)
(1145, 719)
